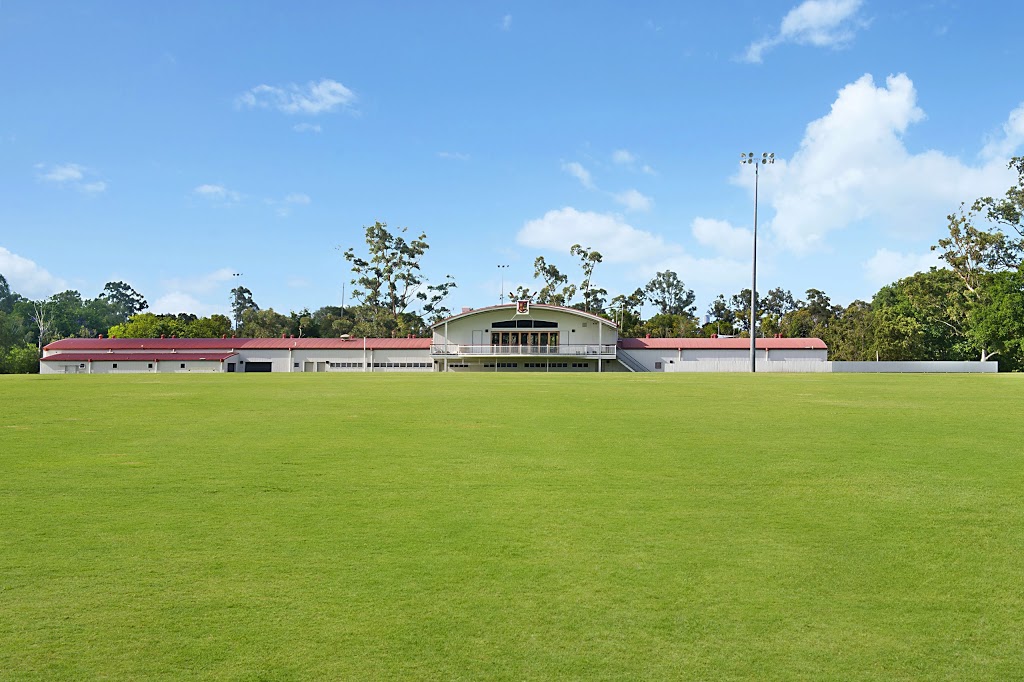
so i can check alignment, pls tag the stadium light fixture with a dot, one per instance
(501, 292)
(766, 158)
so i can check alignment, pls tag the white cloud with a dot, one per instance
(852, 167)
(217, 193)
(455, 156)
(617, 240)
(298, 198)
(1003, 146)
(72, 175)
(175, 302)
(65, 172)
(191, 294)
(307, 128)
(576, 169)
(640, 253)
(885, 267)
(313, 98)
(506, 22)
(723, 237)
(633, 200)
(201, 284)
(28, 278)
(623, 157)
(821, 23)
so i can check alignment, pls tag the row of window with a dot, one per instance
(148, 365)
(532, 365)
(402, 364)
(357, 365)
(524, 324)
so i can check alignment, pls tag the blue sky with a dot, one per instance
(170, 145)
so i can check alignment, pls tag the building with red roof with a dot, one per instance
(514, 337)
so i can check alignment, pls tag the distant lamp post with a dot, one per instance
(238, 313)
(501, 292)
(766, 158)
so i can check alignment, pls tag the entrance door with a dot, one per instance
(231, 367)
(258, 367)
(308, 367)
(321, 366)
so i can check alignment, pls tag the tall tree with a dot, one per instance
(42, 317)
(124, 299)
(241, 301)
(625, 309)
(8, 298)
(771, 308)
(589, 258)
(669, 294)
(722, 316)
(1008, 212)
(262, 324)
(555, 291)
(389, 279)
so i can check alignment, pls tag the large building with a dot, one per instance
(505, 338)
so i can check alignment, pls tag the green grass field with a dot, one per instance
(526, 526)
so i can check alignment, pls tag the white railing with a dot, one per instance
(573, 349)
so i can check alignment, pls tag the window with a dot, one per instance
(581, 365)
(115, 366)
(183, 365)
(150, 366)
(295, 365)
(657, 365)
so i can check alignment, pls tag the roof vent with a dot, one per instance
(100, 336)
(282, 335)
(174, 336)
(162, 336)
(648, 336)
(466, 310)
(292, 336)
(344, 337)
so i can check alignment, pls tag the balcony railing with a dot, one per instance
(573, 349)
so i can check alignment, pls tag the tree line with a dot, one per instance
(969, 310)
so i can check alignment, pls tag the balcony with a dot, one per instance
(605, 351)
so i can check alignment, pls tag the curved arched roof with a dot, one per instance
(533, 306)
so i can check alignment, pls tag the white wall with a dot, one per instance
(572, 328)
(906, 367)
(705, 359)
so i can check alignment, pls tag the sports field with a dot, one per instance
(512, 526)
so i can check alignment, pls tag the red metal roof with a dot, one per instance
(533, 306)
(235, 344)
(136, 357)
(721, 344)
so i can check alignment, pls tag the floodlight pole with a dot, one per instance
(238, 315)
(766, 158)
(501, 293)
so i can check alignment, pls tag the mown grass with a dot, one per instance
(845, 527)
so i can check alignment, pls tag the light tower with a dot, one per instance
(766, 158)
(501, 292)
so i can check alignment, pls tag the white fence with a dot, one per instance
(973, 366)
(735, 365)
